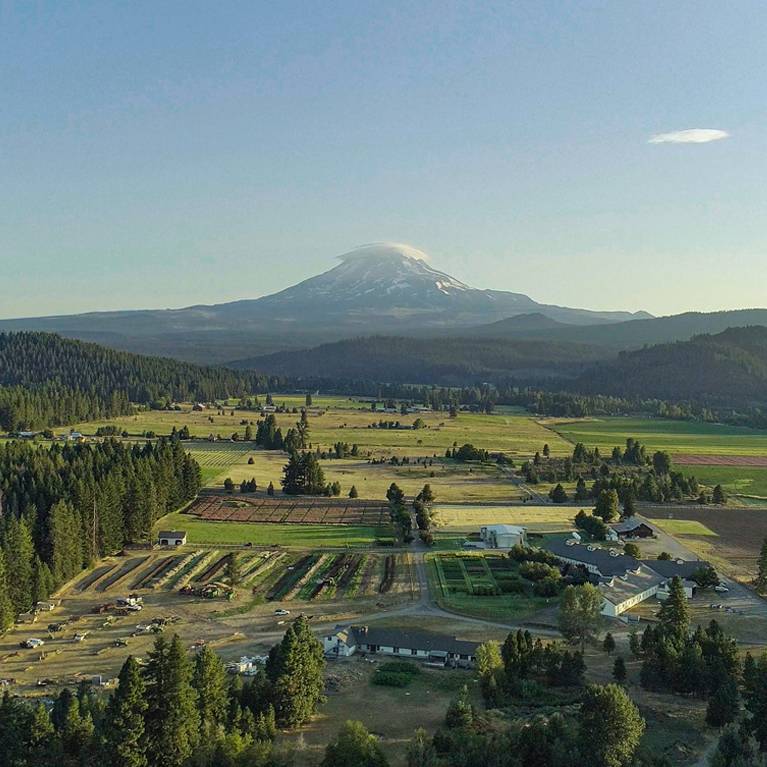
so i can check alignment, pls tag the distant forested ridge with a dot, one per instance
(723, 369)
(445, 361)
(46, 380)
(65, 505)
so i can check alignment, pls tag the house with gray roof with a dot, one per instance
(346, 641)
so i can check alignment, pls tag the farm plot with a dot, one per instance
(729, 538)
(482, 585)
(308, 511)
(216, 459)
(118, 577)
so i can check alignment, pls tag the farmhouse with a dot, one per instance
(623, 580)
(416, 645)
(171, 538)
(502, 536)
(630, 528)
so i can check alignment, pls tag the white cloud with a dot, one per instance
(691, 136)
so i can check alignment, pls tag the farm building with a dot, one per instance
(630, 528)
(416, 645)
(171, 538)
(502, 536)
(623, 580)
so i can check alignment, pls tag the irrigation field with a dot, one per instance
(309, 511)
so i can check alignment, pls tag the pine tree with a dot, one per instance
(65, 542)
(420, 751)
(719, 496)
(608, 645)
(124, 720)
(172, 720)
(674, 614)
(619, 670)
(610, 726)
(295, 669)
(723, 705)
(209, 680)
(353, 493)
(7, 615)
(19, 560)
(761, 576)
(460, 712)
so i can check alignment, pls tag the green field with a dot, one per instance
(683, 527)
(736, 480)
(659, 434)
(303, 536)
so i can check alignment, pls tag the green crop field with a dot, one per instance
(659, 434)
(736, 480)
(303, 536)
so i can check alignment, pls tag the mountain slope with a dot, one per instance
(445, 361)
(379, 288)
(727, 368)
(630, 334)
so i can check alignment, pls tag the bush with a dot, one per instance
(547, 587)
(391, 679)
(400, 667)
(536, 571)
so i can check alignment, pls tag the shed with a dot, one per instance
(171, 538)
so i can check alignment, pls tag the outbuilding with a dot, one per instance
(171, 538)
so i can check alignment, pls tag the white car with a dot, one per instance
(33, 643)
(281, 611)
(722, 589)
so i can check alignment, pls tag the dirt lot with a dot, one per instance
(259, 508)
(729, 538)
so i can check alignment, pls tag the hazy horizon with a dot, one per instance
(609, 158)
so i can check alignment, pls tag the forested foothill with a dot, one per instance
(47, 381)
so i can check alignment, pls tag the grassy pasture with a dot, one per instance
(659, 434)
(683, 527)
(269, 534)
(736, 480)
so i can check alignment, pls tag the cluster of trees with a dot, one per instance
(467, 452)
(303, 475)
(67, 505)
(519, 667)
(269, 434)
(174, 711)
(46, 380)
(423, 513)
(603, 730)
(399, 513)
(703, 663)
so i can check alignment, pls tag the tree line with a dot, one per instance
(64, 506)
(47, 380)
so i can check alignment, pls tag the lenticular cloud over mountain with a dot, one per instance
(377, 250)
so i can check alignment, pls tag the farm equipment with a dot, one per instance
(105, 607)
(209, 590)
(53, 628)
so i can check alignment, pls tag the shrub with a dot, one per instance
(536, 571)
(391, 679)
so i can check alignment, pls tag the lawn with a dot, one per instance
(269, 534)
(660, 434)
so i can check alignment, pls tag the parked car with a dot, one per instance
(32, 643)
(721, 588)
(282, 611)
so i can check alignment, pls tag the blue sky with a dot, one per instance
(167, 154)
